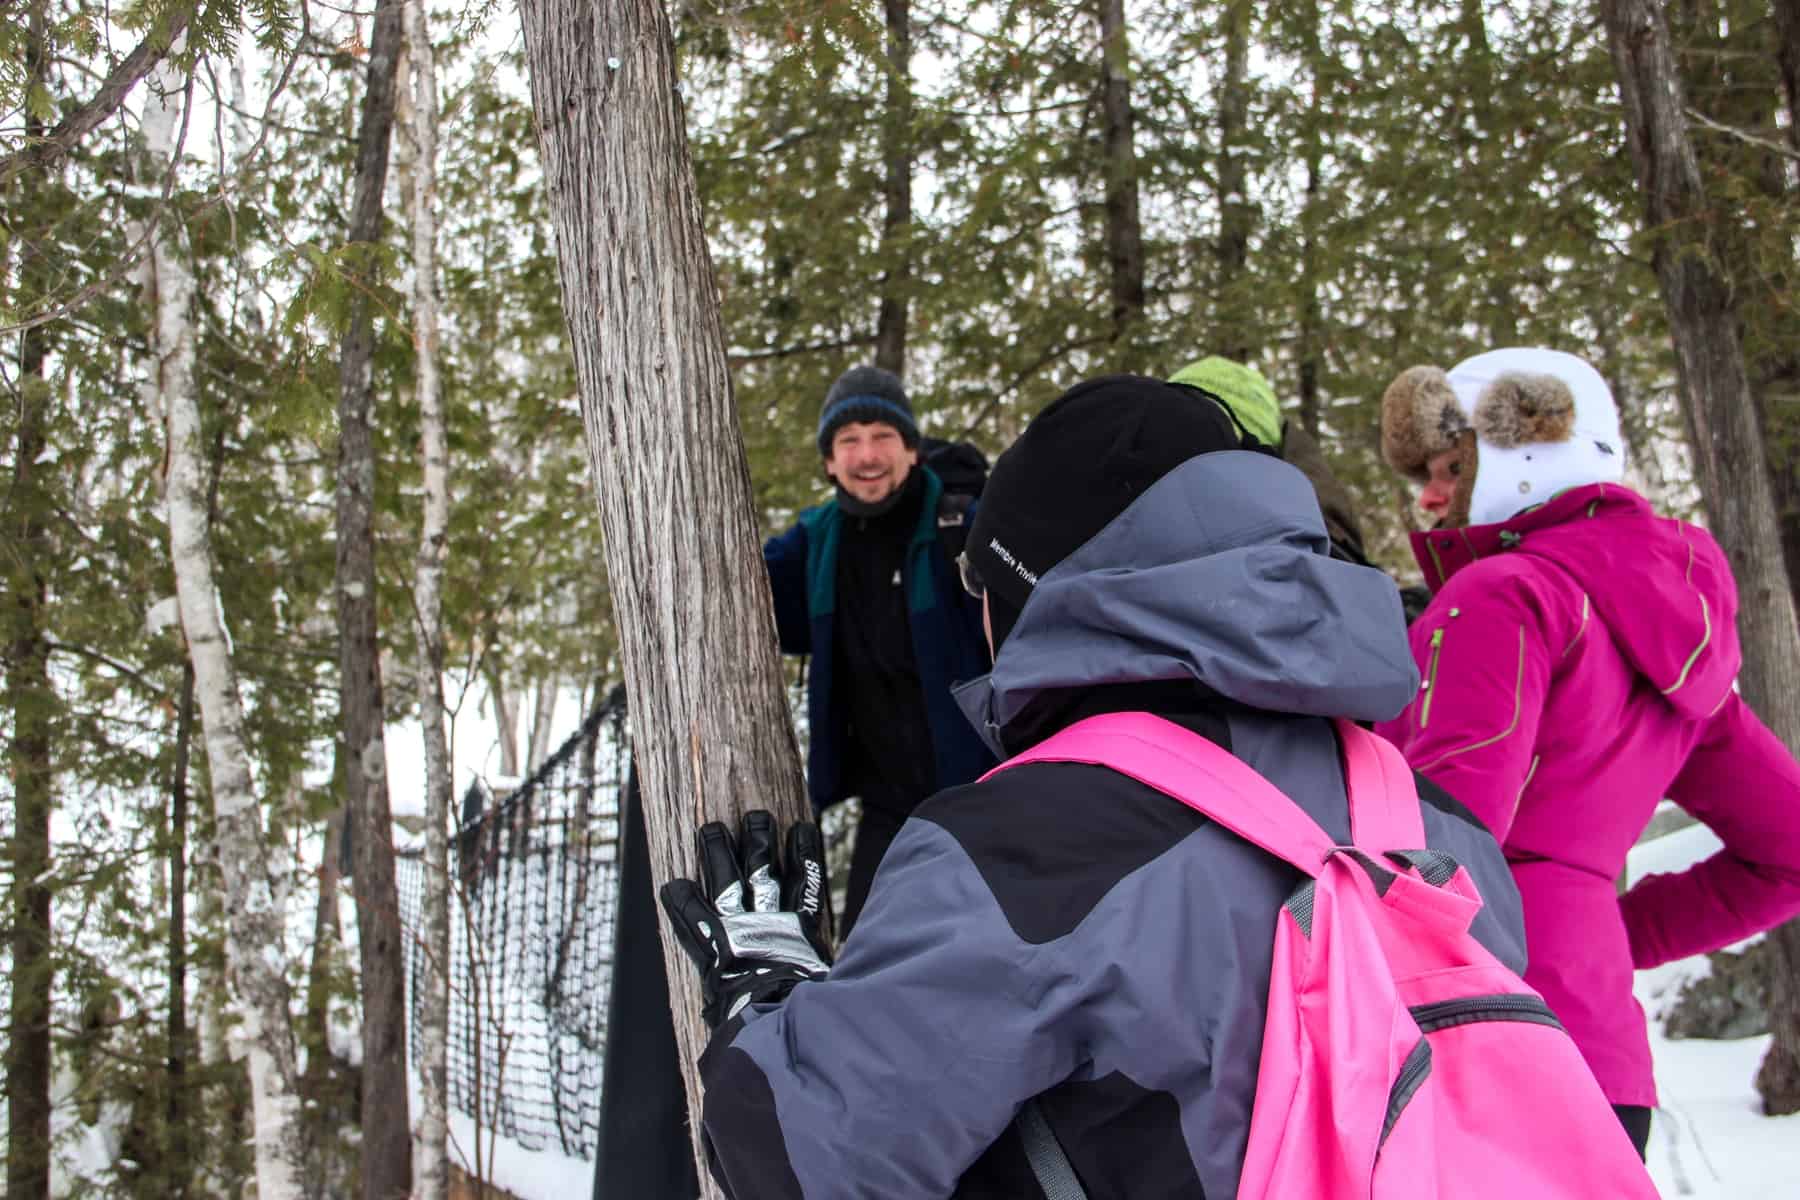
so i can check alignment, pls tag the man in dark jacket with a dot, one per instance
(863, 585)
(1062, 931)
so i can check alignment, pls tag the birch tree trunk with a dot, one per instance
(896, 224)
(1124, 229)
(177, 1169)
(1729, 456)
(431, 1178)
(710, 724)
(30, 703)
(254, 873)
(386, 1128)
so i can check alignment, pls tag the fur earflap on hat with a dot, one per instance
(1517, 408)
(1420, 419)
(1531, 422)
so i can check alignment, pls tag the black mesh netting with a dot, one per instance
(531, 936)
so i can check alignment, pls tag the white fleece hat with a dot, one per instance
(1534, 422)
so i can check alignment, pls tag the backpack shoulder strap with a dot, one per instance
(1384, 803)
(1203, 776)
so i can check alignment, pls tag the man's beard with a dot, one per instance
(876, 508)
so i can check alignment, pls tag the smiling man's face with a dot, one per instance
(870, 460)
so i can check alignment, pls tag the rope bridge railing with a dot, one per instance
(533, 897)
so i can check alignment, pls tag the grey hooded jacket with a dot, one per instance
(1062, 931)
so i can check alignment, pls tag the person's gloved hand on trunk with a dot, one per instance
(753, 925)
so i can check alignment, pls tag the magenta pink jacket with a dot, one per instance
(1578, 663)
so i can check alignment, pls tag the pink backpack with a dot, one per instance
(1400, 1058)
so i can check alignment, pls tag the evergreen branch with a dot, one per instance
(104, 102)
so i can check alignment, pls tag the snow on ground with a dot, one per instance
(1709, 1139)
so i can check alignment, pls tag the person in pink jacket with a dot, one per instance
(1578, 660)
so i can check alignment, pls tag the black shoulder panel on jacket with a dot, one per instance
(1124, 1137)
(740, 1113)
(1051, 839)
(1124, 1141)
(1430, 793)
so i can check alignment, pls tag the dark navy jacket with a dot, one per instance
(1065, 932)
(945, 623)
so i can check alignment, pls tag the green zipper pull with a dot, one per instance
(1437, 644)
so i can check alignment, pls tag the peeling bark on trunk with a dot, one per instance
(386, 1128)
(254, 872)
(431, 1180)
(896, 225)
(710, 723)
(1729, 456)
(30, 705)
(1124, 230)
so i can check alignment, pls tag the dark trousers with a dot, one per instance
(874, 834)
(1636, 1120)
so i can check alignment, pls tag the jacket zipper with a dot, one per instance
(1437, 644)
(1447, 1014)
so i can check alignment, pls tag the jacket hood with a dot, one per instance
(1219, 573)
(1662, 587)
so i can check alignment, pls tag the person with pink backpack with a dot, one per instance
(1200, 936)
(1578, 660)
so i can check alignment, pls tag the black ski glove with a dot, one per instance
(751, 925)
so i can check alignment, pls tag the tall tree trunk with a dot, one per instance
(386, 1128)
(431, 1166)
(1778, 1080)
(323, 1107)
(255, 878)
(30, 704)
(896, 223)
(1477, 91)
(1310, 349)
(709, 713)
(1729, 456)
(506, 724)
(177, 1152)
(543, 721)
(1787, 55)
(1232, 336)
(1124, 230)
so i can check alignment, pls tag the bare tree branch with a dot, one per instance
(103, 103)
(1743, 135)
